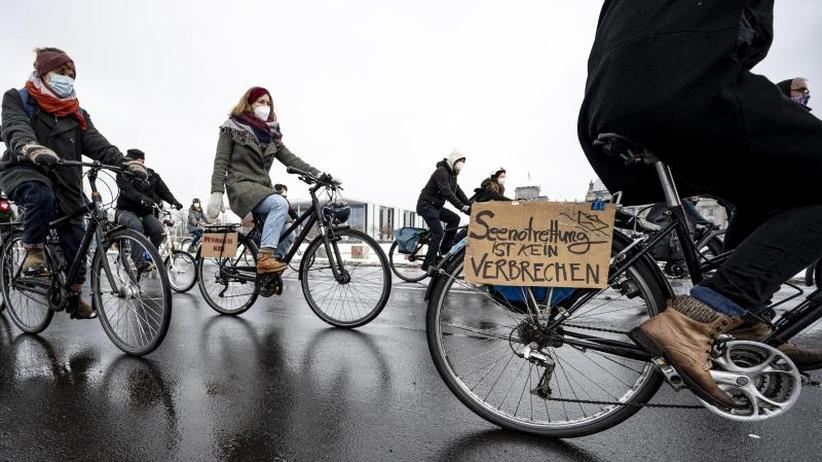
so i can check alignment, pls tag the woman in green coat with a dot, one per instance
(250, 140)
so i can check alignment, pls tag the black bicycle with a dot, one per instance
(408, 265)
(343, 272)
(132, 300)
(559, 362)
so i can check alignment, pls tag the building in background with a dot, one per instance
(529, 193)
(597, 190)
(376, 220)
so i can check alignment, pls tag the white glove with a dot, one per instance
(215, 205)
(40, 154)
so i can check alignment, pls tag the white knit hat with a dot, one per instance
(454, 157)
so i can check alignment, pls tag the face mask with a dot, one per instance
(501, 180)
(262, 112)
(801, 99)
(458, 166)
(61, 85)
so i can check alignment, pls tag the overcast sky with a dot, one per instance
(373, 91)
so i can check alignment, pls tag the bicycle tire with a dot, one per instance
(14, 308)
(649, 279)
(130, 290)
(392, 254)
(185, 286)
(312, 259)
(206, 265)
(817, 274)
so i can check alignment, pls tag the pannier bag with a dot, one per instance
(407, 238)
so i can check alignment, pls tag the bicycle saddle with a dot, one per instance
(631, 153)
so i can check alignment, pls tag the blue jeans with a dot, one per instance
(41, 207)
(275, 210)
(196, 235)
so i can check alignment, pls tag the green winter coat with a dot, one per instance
(241, 167)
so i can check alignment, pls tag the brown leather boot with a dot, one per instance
(805, 360)
(267, 263)
(34, 262)
(684, 334)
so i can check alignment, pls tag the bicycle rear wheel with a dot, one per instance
(182, 271)
(362, 291)
(475, 338)
(25, 297)
(133, 300)
(407, 266)
(228, 284)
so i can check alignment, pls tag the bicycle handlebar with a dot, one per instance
(308, 178)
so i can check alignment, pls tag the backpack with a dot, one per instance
(407, 238)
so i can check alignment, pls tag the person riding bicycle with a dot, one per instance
(42, 124)
(442, 186)
(196, 218)
(136, 202)
(492, 188)
(675, 78)
(250, 140)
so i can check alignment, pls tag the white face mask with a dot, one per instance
(501, 180)
(262, 112)
(458, 166)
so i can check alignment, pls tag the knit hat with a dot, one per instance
(455, 157)
(135, 154)
(497, 172)
(51, 59)
(256, 92)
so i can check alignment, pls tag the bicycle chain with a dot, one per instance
(584, 401)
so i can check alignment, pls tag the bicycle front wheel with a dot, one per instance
(476, 337)
(25, 297)
(228, 284)
(408, 266)
(362, 286)
(131, 292)
(182, 271)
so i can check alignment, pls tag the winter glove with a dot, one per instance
(466, 209)
(178, 206)
(40, 155)
(215, 205)
(326, 177)
(135, 168)
(149, 204)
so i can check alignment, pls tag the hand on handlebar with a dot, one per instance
(466, 209)
(40, 155)
(327, 178)
(135, 168)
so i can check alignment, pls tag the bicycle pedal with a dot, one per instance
(807, 381)
(671, 375)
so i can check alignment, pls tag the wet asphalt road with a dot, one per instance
(278, 384)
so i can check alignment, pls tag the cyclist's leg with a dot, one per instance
(71, 237)
(285, 242)
(275, 208)
(452, 220)
(431, 216)
(38, 200)
(154, 230)
(196, 235)
(130, 220)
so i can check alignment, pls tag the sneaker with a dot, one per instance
(684, 334)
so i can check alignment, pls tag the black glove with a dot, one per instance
(149, 204)
(466, 209)
(178, 206)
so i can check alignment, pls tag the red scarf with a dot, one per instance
(58, 107)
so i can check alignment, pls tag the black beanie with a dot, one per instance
(135, 154)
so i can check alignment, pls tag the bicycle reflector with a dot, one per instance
(4, 206)
(337, 213)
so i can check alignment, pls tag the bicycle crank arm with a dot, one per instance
(671, 375)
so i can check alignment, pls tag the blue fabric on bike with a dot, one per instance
(516, 294)
(407, 238)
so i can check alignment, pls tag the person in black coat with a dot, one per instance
(797, 90)
(441, 187)
(675, 77)
(135, 204)
(43, 123)
(492, 188)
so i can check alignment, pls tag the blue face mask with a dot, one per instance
(801, 99)
(61, 85)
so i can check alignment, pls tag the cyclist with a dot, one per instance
(492, 188)
(442, 186)
(196, 218)
(250, 140)
(135, 204)
(44, 123)
(285, 244)
(675, 77)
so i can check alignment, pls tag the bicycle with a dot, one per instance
(407, 266)
(559, 363)
(180, 265)
(343, 273)
(134, 310)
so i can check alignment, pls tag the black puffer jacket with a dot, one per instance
(138, 195)
(486, 194)
(442, 186)
(60, 134)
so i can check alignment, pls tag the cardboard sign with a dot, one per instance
(547, 244)
(219, 245)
